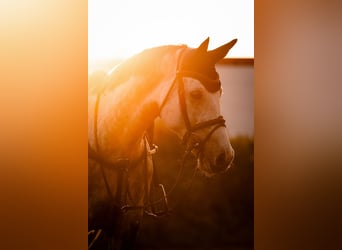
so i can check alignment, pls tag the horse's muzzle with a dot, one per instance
(223, 162)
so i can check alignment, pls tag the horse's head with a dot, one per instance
(192, 108)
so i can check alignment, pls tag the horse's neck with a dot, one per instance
(124, 114)
(128, 110)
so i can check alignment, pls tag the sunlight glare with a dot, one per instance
(121, 28)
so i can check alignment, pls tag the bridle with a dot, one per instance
(190, 140)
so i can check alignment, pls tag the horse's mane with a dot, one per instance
(146, 63)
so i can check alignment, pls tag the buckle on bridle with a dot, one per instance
(192, 142)
(153, 149)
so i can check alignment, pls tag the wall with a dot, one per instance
(238, 96)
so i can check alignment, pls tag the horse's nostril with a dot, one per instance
(220, 163)
(221, 160)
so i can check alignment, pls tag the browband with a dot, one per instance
(212, 85)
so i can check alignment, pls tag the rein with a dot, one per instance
(122, 166)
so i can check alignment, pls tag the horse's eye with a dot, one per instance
(196, 94)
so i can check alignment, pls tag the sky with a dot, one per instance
(118, 29)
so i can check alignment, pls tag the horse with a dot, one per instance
(175, 83)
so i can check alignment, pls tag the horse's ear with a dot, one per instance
(220, 52)
(204, 45)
